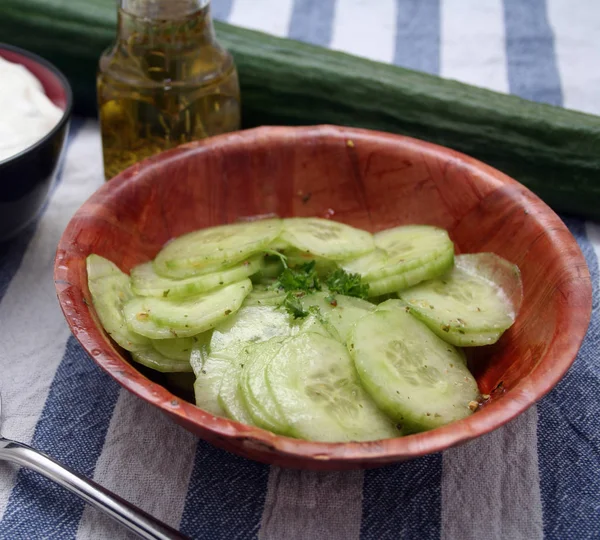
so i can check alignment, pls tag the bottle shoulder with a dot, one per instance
(152, 67)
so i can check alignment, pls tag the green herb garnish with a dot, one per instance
(300, 278)
(292, 303)
(297, 281)
(303, 279)
(330, 298)
(341, 282)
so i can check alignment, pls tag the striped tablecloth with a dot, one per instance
(538, 477)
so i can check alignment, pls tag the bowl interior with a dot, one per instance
(54, 86)
(369, 180)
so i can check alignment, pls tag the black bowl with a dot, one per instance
(27, 177)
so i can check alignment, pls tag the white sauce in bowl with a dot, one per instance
(26, 113)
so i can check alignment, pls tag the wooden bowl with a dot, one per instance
(367, 179)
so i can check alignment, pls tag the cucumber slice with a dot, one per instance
(339, 310)
(149, 328)
(323, 267)
(99, 267)
(110, 289)
(210, 370)
(253, 386)
(153, 359)
(176, 348)
(279, 244)
(264, 295)
(399, 282)
(200, 351)
(472, 305)
(271, 267)
(318, 392)
(230, 395)
(160, 318)
(316, 323)
(251, 324)
(424, 251)
(498, 271)
(199, 252)
(326, 238)
(146, 282)
(421, 381)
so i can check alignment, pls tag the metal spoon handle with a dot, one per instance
(136, 520)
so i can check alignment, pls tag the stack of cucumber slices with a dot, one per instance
(311, 328)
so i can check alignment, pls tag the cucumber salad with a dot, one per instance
(313, 329)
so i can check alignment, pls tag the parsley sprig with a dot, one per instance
(297, 281)
(292, 304)
(341, 282)
(301, 280)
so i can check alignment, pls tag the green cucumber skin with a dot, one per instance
(553, 151)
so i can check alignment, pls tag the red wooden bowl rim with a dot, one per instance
(69, 279)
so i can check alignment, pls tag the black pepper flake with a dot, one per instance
(306, 198)
(446, 328)
(227, 311)
(204, 371)
(166, 293)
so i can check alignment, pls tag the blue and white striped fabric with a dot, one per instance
(538, 477)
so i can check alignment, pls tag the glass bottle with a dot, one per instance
(164, 82)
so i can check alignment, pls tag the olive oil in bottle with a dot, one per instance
(166, 81)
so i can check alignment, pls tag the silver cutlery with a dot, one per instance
(131, 517)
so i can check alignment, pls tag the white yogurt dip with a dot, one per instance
(26, 113)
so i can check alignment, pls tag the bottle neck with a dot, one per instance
(162, 9)
(166, 25)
